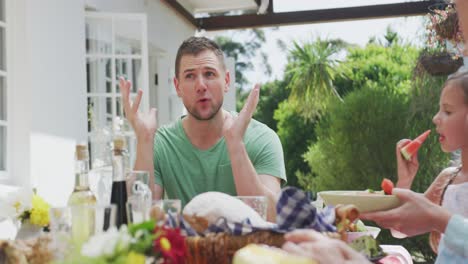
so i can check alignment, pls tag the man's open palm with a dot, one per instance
(234, 127)
(144, 124)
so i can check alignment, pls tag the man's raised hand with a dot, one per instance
(234, 127)
(144, 124)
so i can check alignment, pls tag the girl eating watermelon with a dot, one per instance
(450, 188)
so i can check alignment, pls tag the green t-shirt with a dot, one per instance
(184, 171)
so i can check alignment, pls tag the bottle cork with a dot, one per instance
(81, 152)
(119, 143)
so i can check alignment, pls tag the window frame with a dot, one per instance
(6, 74)
(115, 59)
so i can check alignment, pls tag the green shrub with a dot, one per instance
(355, 146)
(271, 95)
(390, 66)
(296, 135)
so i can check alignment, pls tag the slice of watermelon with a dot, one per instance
(409, 150)
(387, 186)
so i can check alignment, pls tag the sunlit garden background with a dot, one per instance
(340, 110)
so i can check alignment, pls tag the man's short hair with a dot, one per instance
(196, 45)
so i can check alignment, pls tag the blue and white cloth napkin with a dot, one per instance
(293, 210)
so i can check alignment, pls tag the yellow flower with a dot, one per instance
(135, 258)
(39, 212)
(165, 244)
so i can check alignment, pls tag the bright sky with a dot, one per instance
(410, 29)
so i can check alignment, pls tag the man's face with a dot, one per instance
(201, 84)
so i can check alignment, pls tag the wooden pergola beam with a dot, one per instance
(304, 17)
(182, 11)
(270, 5)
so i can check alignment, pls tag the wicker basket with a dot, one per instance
(220, 248)
(440, 64)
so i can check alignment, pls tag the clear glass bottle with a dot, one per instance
(81, 194)
(119, 188)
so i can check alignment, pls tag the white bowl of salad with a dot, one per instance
(362, 230)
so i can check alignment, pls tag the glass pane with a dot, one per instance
(2, 148)
(3, 99)
(99, 112)
(2, 10)
(128, 36)
(119, 106)
(98, 35)
(2, 50)
(130, 69)
(99, 75)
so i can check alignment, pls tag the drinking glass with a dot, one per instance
(138, 209)
(168, 205)
(258, 203)
(139, 196)
(100, 183)
(73, 225)
(138, 183)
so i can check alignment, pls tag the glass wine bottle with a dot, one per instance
(81, 194)
(81, 197)
(119, 188)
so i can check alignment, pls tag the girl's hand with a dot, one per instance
(406, 169)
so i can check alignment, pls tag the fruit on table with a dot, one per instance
(410, 149)
(387, 186)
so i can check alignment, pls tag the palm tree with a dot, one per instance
(312, 68)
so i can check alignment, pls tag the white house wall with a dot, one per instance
(166, 31)
(47, 105)
(49, 100)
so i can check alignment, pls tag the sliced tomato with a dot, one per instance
(387, 186)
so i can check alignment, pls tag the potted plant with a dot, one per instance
(439, 62)
(443, 28)
(28, 209)
(443, 54)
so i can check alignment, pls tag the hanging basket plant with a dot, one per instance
(442, 55)
(443, 27)
(442, 63)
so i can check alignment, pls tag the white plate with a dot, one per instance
(399, 252)
(363, 200)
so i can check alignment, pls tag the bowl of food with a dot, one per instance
(365, 201)
(366, 231)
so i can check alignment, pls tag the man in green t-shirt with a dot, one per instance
(209, 149)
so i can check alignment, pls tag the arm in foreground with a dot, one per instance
(311, 244)
(416, 215)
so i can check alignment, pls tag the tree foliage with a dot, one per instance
(356, 139)
(296, 135)
(312, 70)
(390, 66)
(243, 52)
(271, 95)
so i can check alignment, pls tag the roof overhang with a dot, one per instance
(270, 18)
(218, 6)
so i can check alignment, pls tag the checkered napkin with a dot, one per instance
(294, 210)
